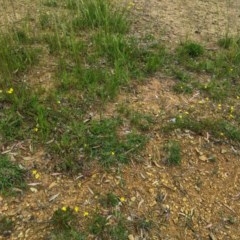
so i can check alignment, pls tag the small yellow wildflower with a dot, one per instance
(207, 99)
(1, 91)
(180, 116)
(231, 109)
(238, 97)
(35, 129)
(130, 5)
(219, 106)
(58, 102)
(76, 209)
(230, 69)
(231, 116)
(85, 214)
(37, 175)
(34, 172)
(10, 91)
(112, 153)
(221, 134)
(186, 112)
(64, 209)
(122, 199)
(201, 102)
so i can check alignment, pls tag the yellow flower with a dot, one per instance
(180, 116)
(76, 209)
(112, 153)
(219, 106)
(85, 214)
(34, 172)
(231, 109)
(130, 5)
(122, 199)
(58, 102)
(1, 91)
(37, 175)
(64, 209)
(221, 134)
(10, 91)
(35, 129)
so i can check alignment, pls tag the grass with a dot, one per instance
(99, 14)
(219, 128)
(110, 200)
(16, 58)
(95, 58)
(64, 222)
(11, 176)
(6, 226)
(100, 227)
(173, 151)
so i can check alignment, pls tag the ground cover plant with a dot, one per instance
(107, 132)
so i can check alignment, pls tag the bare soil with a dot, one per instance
(200, 199)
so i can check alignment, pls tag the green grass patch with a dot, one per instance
(11, 176)
(218, 128)
(23, 114)
(117, 229)
(99, 14)
(173, 151)
(109, 200)
(6, 226)
(50, 3)
(221, 65)
(65, 223)
(15, 57)
(97, 140)
(140, 121)
(190, 49)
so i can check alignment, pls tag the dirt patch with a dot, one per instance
(175, 21)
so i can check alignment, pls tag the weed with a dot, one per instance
(143, 224)
(110, 200)
(114, 229)
(118, 230)
(64, 219)
(173, 153)
(6, 226)
(98, 225)
(191, 49)
(11, 176)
